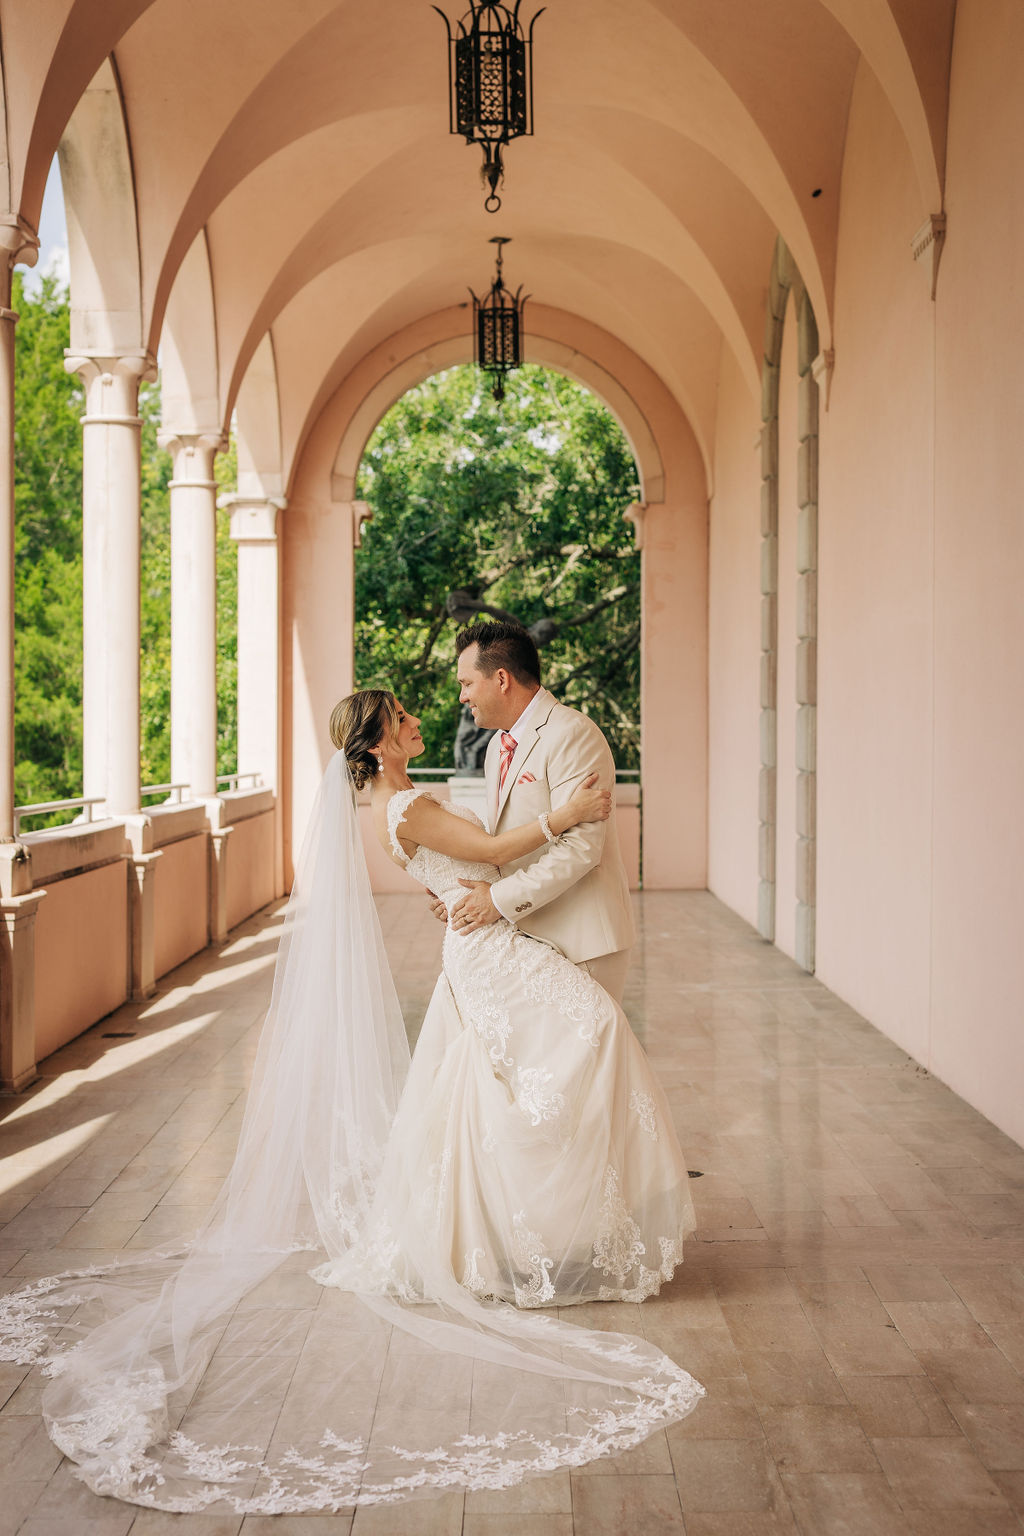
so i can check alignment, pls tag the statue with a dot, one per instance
(471, 739)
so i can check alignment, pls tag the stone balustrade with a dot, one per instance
(104, 908)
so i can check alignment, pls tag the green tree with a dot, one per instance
(155, 586)
(520, 505)
(154, 597)
(48, 550)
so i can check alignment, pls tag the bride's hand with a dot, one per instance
(588, 803)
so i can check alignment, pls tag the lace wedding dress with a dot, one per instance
(533, 1145)
(526, 1156)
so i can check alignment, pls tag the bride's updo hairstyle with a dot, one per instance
(359, 724)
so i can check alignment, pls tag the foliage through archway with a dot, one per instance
(520, 506)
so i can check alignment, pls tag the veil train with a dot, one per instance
(221, 1375)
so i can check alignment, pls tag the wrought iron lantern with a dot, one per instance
(490, 83)
(499, 327)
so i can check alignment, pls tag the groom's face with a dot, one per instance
(487, 697)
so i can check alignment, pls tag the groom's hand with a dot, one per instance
(476, 910)
(438, 907)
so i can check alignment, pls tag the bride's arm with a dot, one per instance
(428, 824)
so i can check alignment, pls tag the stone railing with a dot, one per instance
(101, 908)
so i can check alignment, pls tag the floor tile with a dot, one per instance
(898, 1405)
(844, 1504)
(976, 1375)
(817, 1437)
(996, 1431)
(625, 1506)
(936, 1474)
(512, 1525)
(718, 1475)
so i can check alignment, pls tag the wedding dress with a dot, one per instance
(530, 1159)
(533, 1145)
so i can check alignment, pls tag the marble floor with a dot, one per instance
(853, 1299)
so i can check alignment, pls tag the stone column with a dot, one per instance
(110, 574)
(811, 366)
(781, 280)
(254, 528)
(17, 990)
(194, 610)
(142, 935)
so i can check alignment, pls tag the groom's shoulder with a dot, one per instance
(562, 718)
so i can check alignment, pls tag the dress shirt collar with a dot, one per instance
(521, 724)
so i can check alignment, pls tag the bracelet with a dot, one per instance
(545, 826)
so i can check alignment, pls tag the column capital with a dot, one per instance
(19, 240)
(111, 383)
(822, 369)
(927, 244)
(193, 454)
(253, 518)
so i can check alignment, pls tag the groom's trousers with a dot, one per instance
(609, 971)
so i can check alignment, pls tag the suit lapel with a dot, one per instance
(524, 747)
(491, 778)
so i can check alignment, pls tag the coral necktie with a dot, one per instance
(508, 747)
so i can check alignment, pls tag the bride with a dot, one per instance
(524, 1160)
(553, 1173)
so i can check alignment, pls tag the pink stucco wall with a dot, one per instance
(921, 570)
(875, 596)
(674, 695)
(976, 984)
(180, 901)
(81, 954)
(250, 866)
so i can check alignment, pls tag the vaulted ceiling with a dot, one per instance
(287, 171)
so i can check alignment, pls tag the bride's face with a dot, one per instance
(408, 742)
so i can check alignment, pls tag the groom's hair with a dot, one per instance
(502, 645)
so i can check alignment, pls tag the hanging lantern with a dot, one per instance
(490, 83)
(499, 329)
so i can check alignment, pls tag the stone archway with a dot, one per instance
(322, 522)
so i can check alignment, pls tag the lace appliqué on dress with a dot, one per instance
(643, 1104)
(548, 977)
(530, 1255)
(472, 1279)
(618, 1245)
(531, 1098)
(398, 805)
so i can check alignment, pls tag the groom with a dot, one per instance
(572, 893)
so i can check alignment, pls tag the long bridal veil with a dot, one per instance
(222, 1375)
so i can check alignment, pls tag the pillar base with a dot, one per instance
(218, 930)
(142, 949)
(18, 991)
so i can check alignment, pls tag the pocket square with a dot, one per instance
(526, 778)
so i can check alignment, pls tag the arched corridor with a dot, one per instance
(781, 239)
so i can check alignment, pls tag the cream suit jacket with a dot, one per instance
(573, 893)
